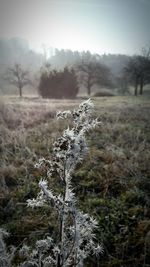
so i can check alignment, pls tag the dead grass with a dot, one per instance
(29, 112)
(117, 163)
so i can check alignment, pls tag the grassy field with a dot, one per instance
(112, 184)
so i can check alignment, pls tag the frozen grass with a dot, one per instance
(28, 112)
(113, 182)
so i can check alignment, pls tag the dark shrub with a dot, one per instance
(58, 84)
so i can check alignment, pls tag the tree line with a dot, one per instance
(88, 71)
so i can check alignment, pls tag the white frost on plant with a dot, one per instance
(44, 245)
(76, 237)
(63, 114)
(37, 202)
(98, 250)
(24, 251)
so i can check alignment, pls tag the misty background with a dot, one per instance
(65, 32)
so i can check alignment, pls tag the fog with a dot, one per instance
(63, 33)
(101, 26)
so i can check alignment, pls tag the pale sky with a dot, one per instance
(101, 26)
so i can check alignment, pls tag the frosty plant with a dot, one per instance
(76, 238)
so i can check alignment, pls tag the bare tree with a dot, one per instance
(138, 71)
(132, 72)
(144, 69)
(18, 77)
(94, 72)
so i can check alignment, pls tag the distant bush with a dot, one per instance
(103, 93)
(58, 84)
